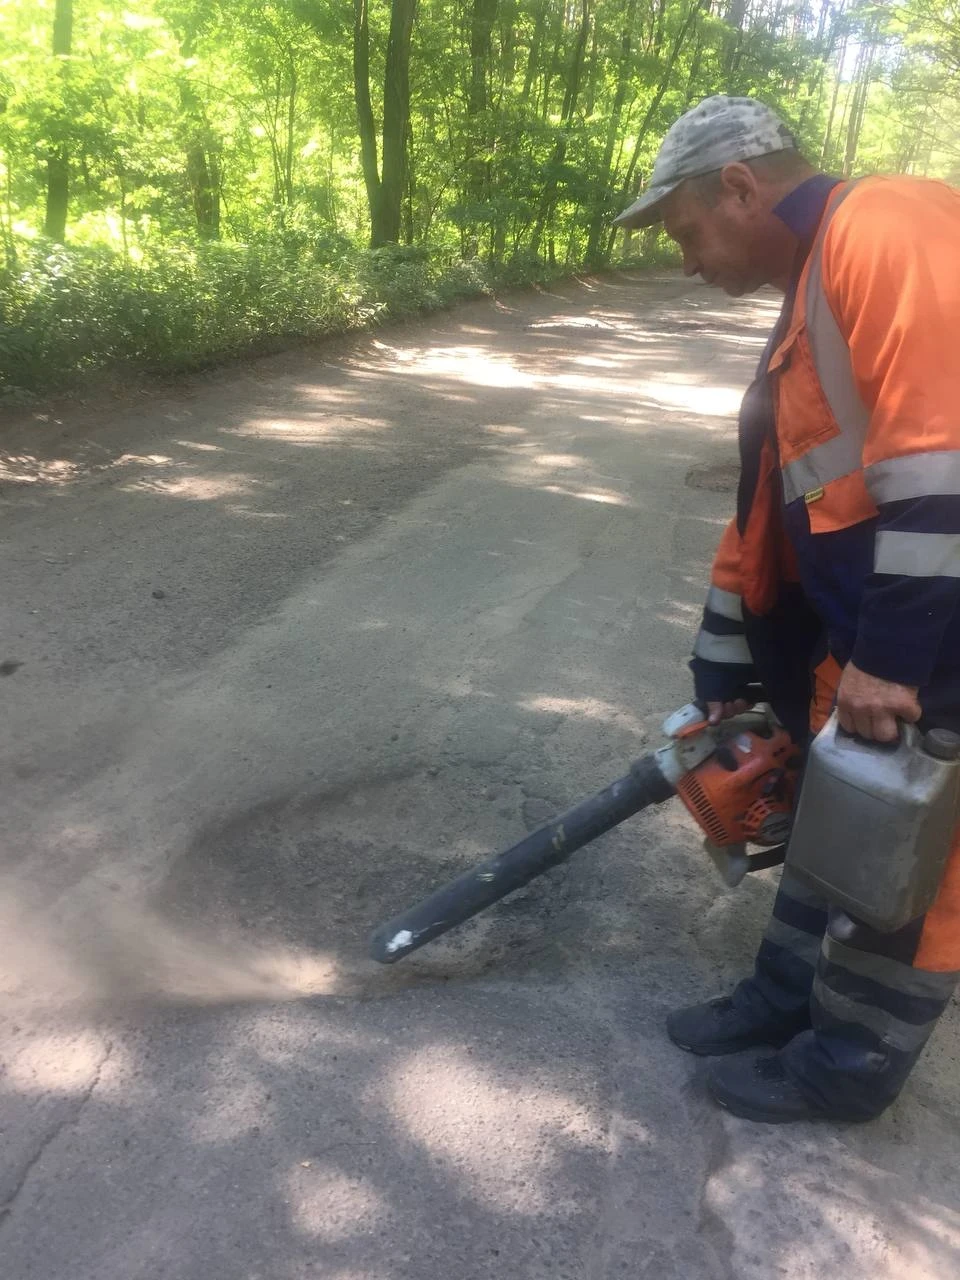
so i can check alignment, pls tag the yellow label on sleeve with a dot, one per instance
(813, 496)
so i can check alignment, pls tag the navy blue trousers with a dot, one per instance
(860, 1012)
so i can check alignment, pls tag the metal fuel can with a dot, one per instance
(876, 822)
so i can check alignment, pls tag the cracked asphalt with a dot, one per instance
(284, 647)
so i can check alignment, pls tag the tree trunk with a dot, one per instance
(204, 181)
(291, 137)
(827, 149)
(202, 165)
(552, 66)
(827, 34)
(396, 119)
(732, 41)
(365, 123)
(659, 27)
(680, 40)
(570, 96)
(507, 62)
(693, 75)
(58, 160)
(661, 89)
(9, 243)
(599, 220)
(385, 187)
(483, 16)
(477, 186)
(592, 76)
(865, 63)
(533, 58)
(409, 229)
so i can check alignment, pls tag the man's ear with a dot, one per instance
(740, 182)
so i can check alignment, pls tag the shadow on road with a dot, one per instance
(206, 1076)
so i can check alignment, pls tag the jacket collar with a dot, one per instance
(802, 211)
(803, 208)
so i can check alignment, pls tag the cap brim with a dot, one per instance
(645, 211)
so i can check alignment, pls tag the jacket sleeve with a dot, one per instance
(892, 275)
(721, 663)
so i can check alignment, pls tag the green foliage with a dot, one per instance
(217, 200)
(66, 311)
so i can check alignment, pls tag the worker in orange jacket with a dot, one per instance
(838, 582)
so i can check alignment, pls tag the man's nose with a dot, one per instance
(691, 265)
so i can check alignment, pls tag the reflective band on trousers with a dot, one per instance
(918, 555)
(915, 475)
(842, 454)
(722, 648)
(919, 983)
(908, 1037)
(727, 603)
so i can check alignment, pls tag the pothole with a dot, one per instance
(573, 328)
(666, 325)
(296, 888)
(721, 477)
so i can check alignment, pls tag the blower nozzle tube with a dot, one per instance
(546, 847)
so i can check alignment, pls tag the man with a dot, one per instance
(839, 579)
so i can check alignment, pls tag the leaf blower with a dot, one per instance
(738, 779)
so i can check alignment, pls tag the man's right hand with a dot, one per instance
(717, 711)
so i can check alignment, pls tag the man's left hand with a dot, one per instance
(871, 707)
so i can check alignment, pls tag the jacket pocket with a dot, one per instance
(804, 418)
(828, 480)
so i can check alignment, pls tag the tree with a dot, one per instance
(514, 129)
(862, 76)
(600, 219)
(571, 94)
(201, 148)
(58, 155)
(478, 132)
(627, 187)
(385, 189)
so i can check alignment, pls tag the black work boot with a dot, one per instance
(759, 1088)
(717, 1027)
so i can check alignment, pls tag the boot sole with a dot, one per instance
(722, 1048)
(759, 1116)
(756, 1115)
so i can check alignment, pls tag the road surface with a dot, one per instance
(286, 645)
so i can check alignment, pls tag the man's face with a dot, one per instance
(720, 241)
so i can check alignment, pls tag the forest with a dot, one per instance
(182, 182)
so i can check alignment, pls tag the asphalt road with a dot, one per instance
(285, 646)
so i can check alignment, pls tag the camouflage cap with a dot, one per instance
(719, 131)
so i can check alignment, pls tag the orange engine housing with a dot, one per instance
(744, 792)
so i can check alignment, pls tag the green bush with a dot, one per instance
(66, 312)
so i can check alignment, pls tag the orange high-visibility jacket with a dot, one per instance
(847, 541)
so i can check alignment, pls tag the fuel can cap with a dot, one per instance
(942, 744)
